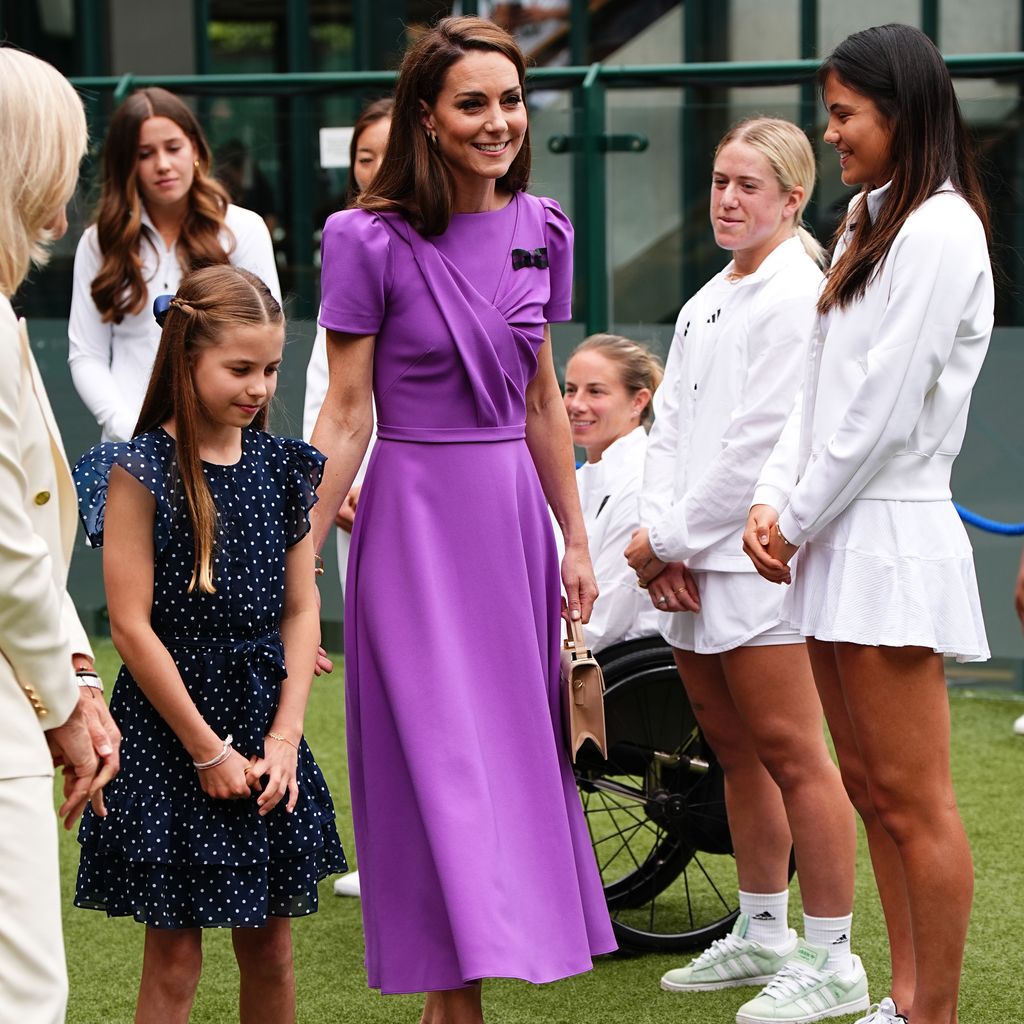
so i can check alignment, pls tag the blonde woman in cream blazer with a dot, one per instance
(46, 716)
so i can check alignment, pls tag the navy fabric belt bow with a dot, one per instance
(524, 258)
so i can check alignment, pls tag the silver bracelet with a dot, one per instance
(86, 677)
(224, 754)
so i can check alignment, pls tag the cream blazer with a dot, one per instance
(39, 627)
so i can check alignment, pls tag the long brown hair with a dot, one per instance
(414, 178)
(119, 288)
(209, 302)
(902, 72)
(373, 112)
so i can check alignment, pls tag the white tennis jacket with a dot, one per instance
(731, 377)
(888, 379)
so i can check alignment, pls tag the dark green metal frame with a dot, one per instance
(586, 147)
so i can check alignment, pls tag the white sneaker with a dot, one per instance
(347, 885)
(804, 991)
(883, 1013)
(728, 963)
(1018, 726)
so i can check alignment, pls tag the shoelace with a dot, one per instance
(792, 979)
(719, 950)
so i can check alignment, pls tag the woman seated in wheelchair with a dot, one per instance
(732, 374)
(609, 384)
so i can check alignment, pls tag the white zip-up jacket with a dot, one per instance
(730, 380)
(609, 490)
(888, 380)
(111, 363)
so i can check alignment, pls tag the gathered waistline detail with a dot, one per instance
(452, 435)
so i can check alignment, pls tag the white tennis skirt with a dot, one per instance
(892, 574)
(737, 609)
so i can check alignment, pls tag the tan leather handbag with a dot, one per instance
(583, 681)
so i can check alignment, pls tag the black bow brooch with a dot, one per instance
(524, 258)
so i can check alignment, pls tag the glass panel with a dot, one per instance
(984, 26)
(837, 19)
(760, 30)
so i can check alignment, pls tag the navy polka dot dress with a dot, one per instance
(167, 854)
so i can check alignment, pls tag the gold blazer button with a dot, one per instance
(42, 497)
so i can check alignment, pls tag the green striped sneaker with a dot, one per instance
(728, 963)
(803, 991)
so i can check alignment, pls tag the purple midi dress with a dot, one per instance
(473, 853)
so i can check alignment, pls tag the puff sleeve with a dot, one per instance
(304, 469)
(92, 478)
(558, 235)
(356, 272)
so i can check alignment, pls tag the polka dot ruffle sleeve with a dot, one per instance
(140, 457)
(304, 468)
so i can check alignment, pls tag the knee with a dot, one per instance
(178, 966)
(906, 809)
(734, 751)
(267, 950)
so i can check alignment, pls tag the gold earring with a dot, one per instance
(433, 138)
(196, 165)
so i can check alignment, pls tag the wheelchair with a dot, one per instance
(656, 809)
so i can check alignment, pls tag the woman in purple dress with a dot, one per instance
(474, 857)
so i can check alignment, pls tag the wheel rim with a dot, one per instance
(656, 814)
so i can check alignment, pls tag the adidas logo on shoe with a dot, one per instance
(765, 915)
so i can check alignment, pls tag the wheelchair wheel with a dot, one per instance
(656, 809)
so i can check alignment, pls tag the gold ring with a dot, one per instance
(640, 583)
(679, 590)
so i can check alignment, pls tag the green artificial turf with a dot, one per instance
(104, 956)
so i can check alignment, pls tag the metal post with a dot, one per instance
(201, 35)
(808, 89)
(591, 201)
(301, 162)
(579, 33)
(930, 19)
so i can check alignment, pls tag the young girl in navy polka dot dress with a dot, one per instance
(220, 817)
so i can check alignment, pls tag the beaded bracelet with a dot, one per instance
(219, 759)
(318, 570)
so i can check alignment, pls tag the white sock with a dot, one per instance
(768, 923)
(833, 934)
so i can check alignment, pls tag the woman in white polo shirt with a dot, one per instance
(160, 215)
(859, 485)
(730, 382)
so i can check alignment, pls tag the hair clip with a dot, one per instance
(161, 304)
(524, 258)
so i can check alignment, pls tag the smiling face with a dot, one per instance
(861, 135)
(370, 151)
(166, 163)
(600, 408)
(479, 119)
(237, 375)
(750, 212)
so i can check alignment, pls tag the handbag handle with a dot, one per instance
(574, 636)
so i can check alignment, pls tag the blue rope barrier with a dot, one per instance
(989, 525)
